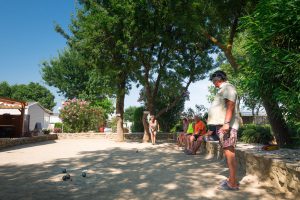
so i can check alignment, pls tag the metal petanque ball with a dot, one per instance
(68, 176)
(64, 178)
(83, 174)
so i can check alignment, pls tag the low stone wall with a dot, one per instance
(88, 135)
(10, 142)
(139, 136)
(280, 168)
(112, 136)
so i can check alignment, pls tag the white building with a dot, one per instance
(35, 114)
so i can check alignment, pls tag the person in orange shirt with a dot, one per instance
(197, 137)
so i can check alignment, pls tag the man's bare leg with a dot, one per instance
(197, 146)
(154, 137)
(232, 165)
(151, 134)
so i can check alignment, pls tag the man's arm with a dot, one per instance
(230, 105)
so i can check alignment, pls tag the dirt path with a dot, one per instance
(115, 171)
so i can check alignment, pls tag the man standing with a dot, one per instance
(225, 114)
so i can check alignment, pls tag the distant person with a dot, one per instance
(224, 113)
(181, 136)
(153, 128)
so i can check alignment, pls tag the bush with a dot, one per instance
(78, 116)
(58, 125)
(46, 131)
(137, 120)
(178, 127)
(255, 134)
(57, 130)
(113, 124)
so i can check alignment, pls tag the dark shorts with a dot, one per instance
(214, 136)
(196, 136)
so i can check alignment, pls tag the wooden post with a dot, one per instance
(22, 120)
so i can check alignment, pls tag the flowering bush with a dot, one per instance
(57, 130)
(78, 115)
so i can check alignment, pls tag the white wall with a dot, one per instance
(55, 119)
(36, 115)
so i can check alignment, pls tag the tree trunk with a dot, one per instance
(120, 108)
(277, 122)
(149, 106)
(146, 136)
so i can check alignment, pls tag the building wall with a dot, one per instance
(36, 115)
(46, 120)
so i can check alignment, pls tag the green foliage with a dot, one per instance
(104, 103)
(58, 125)
(78, 116)
(252, 133)
(32, 92)
(5, 89)
(294, 128)
(177, 127)
(113, 124)
(200, 111)
(74, 77)
(129, 113)
(46, 131)
(272, 45)
(165, 95)
(137, 120)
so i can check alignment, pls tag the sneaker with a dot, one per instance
(224, 182)
(227, 187)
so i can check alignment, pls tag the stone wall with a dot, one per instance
(112, 136)
(279, 168)
(159, 136)
(9, 142)
(88, 135)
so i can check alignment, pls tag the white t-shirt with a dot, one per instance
(217, 110)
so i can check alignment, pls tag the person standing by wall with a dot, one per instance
(224, 112)
(153, 128)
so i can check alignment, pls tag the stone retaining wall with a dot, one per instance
(280, 168)
(139, 136)
(128, 136)
(9, 142)
(81, 135)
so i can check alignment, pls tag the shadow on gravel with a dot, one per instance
(117, 173)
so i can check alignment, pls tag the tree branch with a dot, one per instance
(178, 98)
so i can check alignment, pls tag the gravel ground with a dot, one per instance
(128, 170)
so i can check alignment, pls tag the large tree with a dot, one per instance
(126, 39)
(101, 36)
(170, 54)
(272, 45)
(221, 27)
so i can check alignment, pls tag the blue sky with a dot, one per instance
(27, 38)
